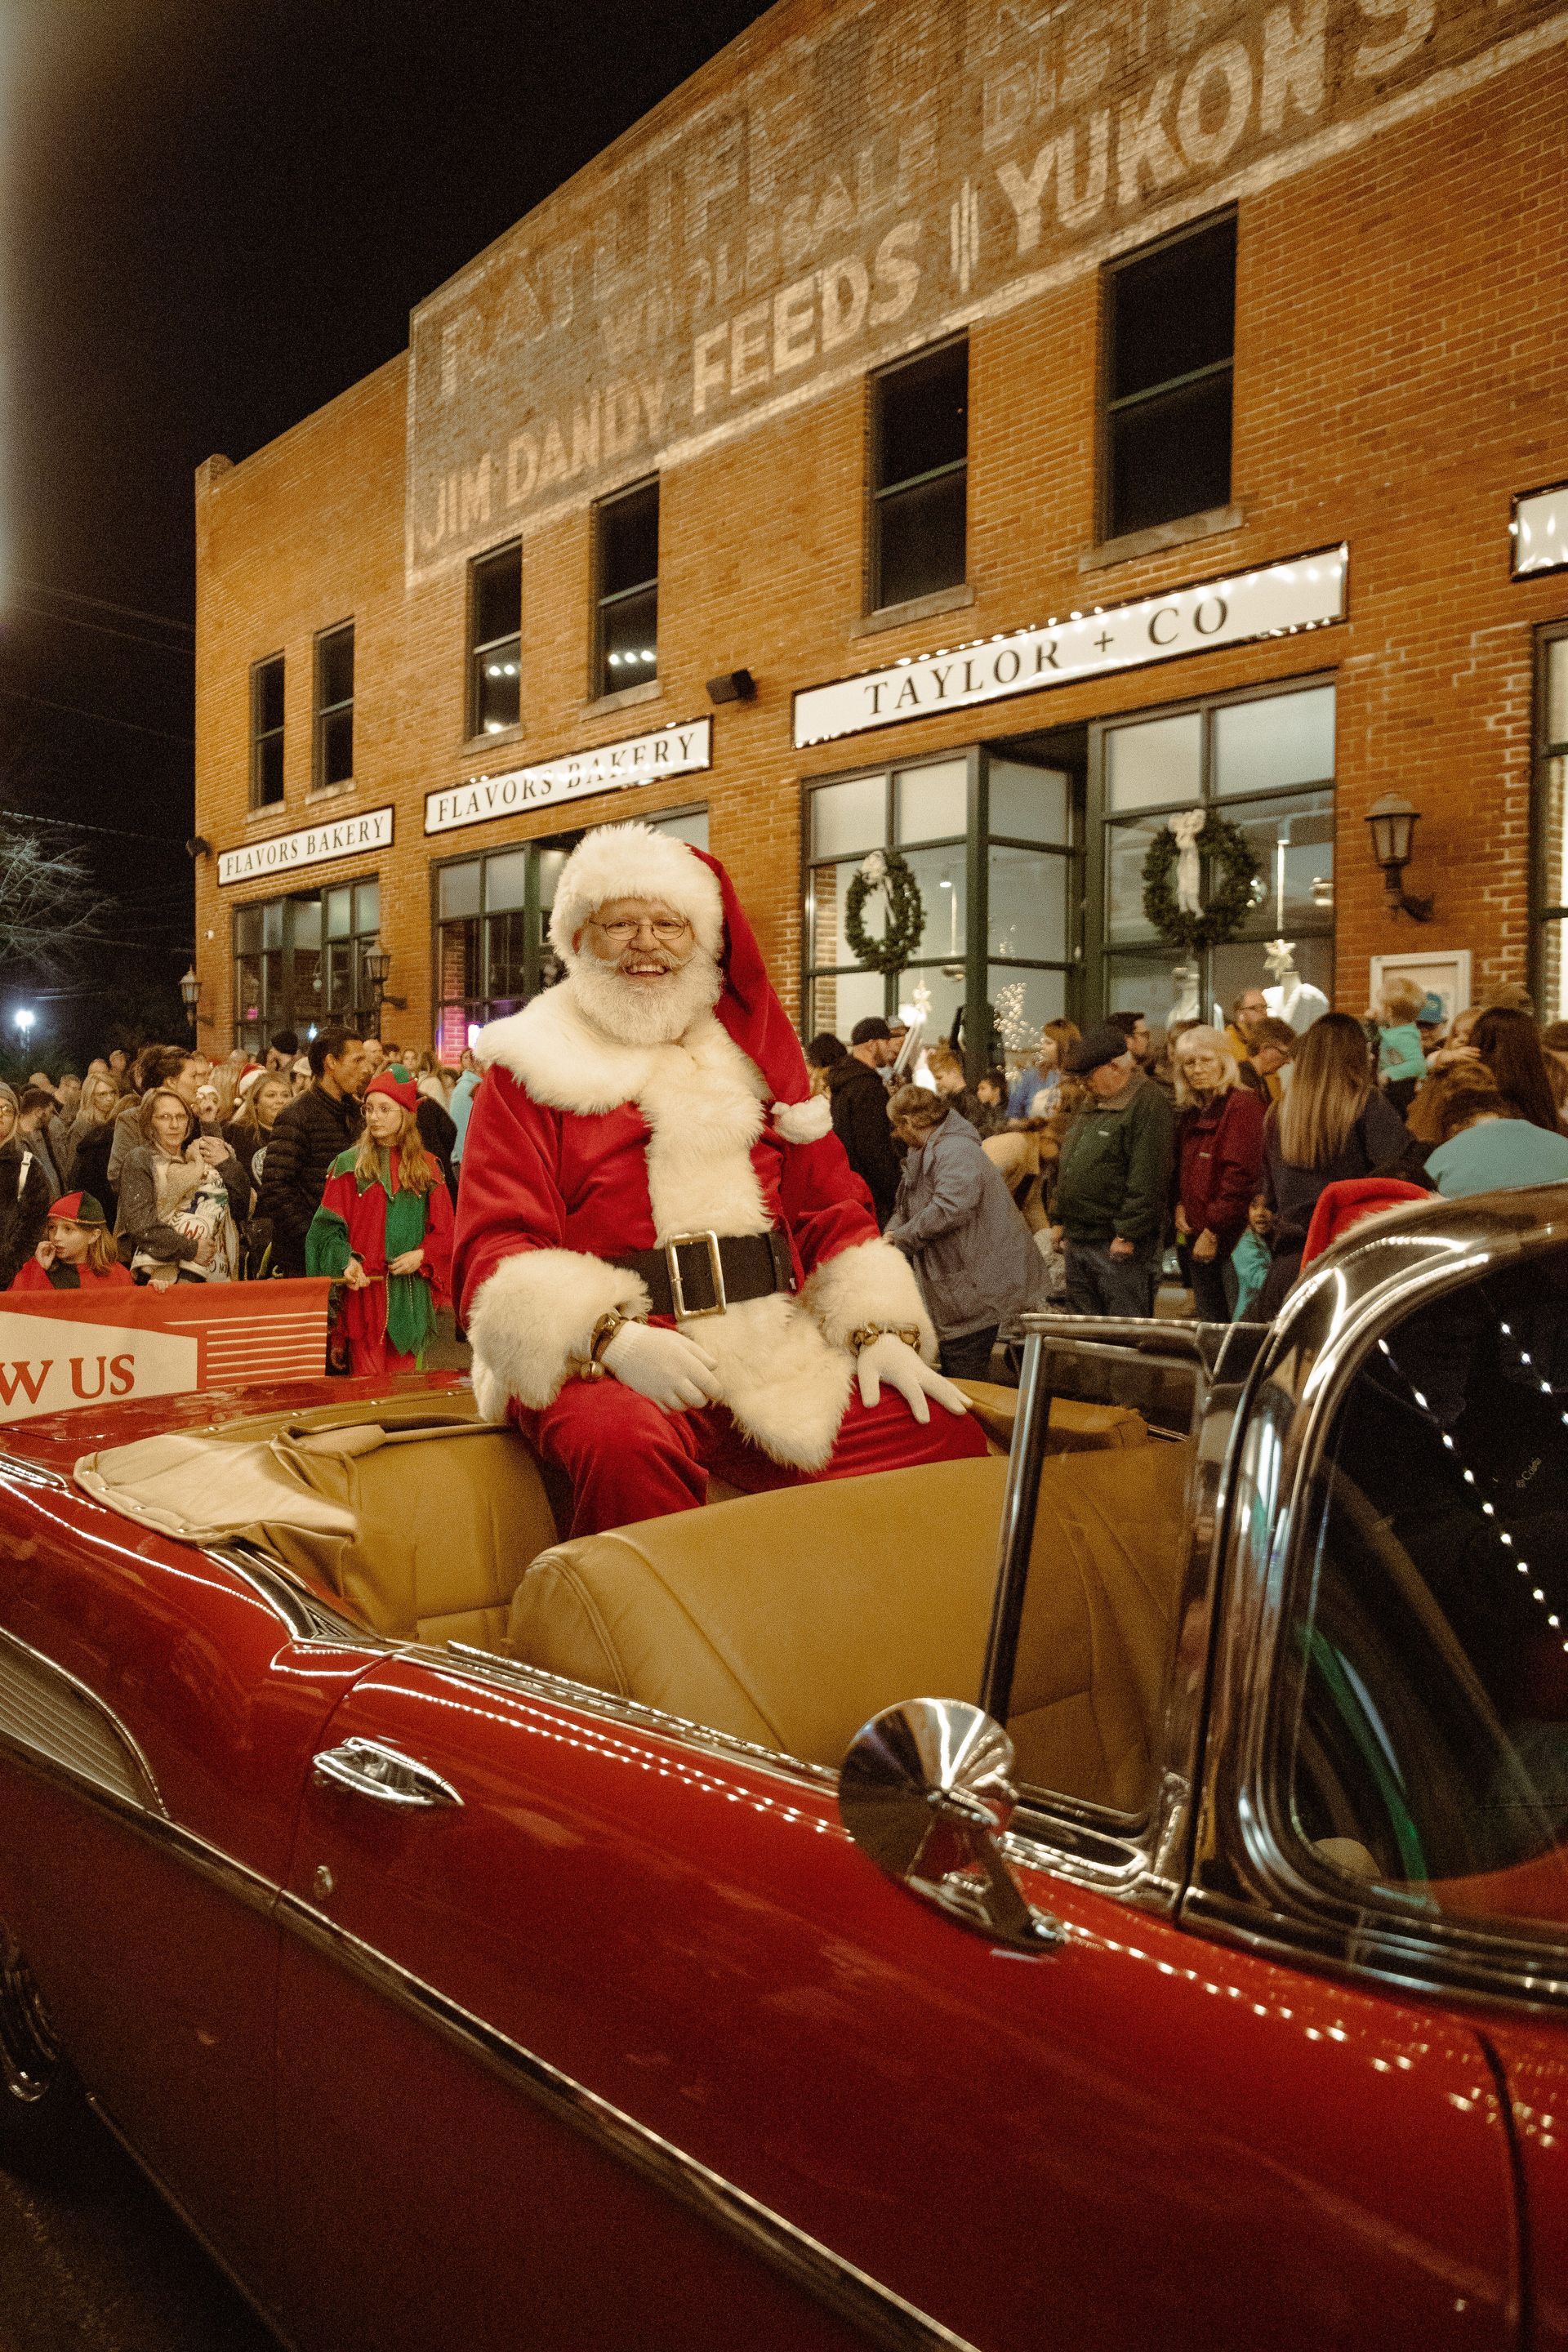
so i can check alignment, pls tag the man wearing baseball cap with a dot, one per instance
(1115, 1184)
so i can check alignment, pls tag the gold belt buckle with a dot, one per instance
(672, 1247)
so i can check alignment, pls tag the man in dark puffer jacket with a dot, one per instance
(307, 1137)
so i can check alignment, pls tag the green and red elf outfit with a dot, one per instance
(375, 1218)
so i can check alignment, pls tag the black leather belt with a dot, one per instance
(701, 1274)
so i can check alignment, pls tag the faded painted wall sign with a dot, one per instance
(1305, 593)
(824, 198)
(639, 759)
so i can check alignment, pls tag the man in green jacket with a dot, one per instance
(1115, 1184)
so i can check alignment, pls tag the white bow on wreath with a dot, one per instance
(1185, 830)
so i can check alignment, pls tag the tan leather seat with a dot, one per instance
(790, 1618)
(445, 1519)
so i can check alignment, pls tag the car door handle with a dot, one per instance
(370, 1769)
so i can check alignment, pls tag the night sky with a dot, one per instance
(217, 215)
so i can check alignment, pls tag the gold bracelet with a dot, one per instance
(605, 1330)
(870, 1333)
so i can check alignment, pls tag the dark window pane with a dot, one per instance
(270, 768)
(340, 976)
(922, 416)
(1170, 456)
(628, 541)
(506, 943)
(629, 636)
(337, 746)
(269, 696)
(497, 596)
(498, 687)
(1175, 310)
(367, 907)
(247, 930)
(337, 667)
(921, 532)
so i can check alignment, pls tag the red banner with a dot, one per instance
(62, 1349)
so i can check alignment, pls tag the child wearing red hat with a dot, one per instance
(77, 1251)
(384, 1230)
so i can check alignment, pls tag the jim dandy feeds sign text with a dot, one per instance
(638, 760)
(1305, 593)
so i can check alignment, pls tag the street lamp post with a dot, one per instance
(377, 964)
(191, 995)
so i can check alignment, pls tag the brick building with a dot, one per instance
(958, 425)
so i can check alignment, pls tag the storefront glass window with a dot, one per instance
(1552, 832)
(1277, 749)
(299, 961)
(1028, 900)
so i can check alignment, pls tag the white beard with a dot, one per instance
(634, 1015)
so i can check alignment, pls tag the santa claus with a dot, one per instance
(667, 1268)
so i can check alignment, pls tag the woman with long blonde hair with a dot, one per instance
(1332, 1125)
(384, 1230)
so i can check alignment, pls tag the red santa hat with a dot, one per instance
(632, 861)
(1347, 1201)
(394, 1081)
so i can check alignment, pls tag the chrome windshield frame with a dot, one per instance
(1250, 1884)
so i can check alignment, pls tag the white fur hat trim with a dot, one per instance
(632, 861)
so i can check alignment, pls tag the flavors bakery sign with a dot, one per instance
(818, 200)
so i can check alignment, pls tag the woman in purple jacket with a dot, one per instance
(1219, 1163)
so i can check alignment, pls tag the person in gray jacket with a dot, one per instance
(955, 1222)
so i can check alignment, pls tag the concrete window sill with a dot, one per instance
(626, 698)
(320, 792)
(918, 608)
(1211, 524)
(268, 814)
(478, 746)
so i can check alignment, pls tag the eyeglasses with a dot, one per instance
(668, 930)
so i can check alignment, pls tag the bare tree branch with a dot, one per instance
(50, 909)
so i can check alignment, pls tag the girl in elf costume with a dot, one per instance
(384, 1230)
(77, 1251)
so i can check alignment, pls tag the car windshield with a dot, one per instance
(1427, 1728)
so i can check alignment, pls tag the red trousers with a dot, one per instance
(628, 1460)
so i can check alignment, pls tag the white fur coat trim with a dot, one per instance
(534, 1314)
(871, 1283)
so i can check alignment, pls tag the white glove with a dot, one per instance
(665, 1366)
(895, 1361)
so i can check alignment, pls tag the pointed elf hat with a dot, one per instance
(632, 861)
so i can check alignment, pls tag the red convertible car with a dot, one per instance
(1111, 1894)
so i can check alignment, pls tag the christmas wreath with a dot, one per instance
(886, 871)
(1233, 870)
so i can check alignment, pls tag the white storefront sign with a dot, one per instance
(313, 844)
(1307, 593)
(1540, 531)
(639, 759)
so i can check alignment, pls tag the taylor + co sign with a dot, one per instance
(1307, 593)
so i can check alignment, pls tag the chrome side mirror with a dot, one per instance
(925, 1791)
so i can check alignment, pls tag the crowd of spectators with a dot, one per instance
(1125, 1159)
(162, 1168)
(1105, 1164)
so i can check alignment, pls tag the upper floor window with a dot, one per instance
(267, 731)
(1552, 828)
(625, 570)
(920, 476)
(495, 642)
(1166, 382)
(334, 752)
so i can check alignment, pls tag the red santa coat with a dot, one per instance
(580, 1149)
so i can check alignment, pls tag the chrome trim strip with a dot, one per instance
(31, 1474)
(46, 1729)
(880, 2313)
(464, 1658)
(296, 1607)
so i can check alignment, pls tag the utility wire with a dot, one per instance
(157, 840)
(102, 604)
(102, 629)
(99, 718)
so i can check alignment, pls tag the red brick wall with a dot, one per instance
(1401, 315)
